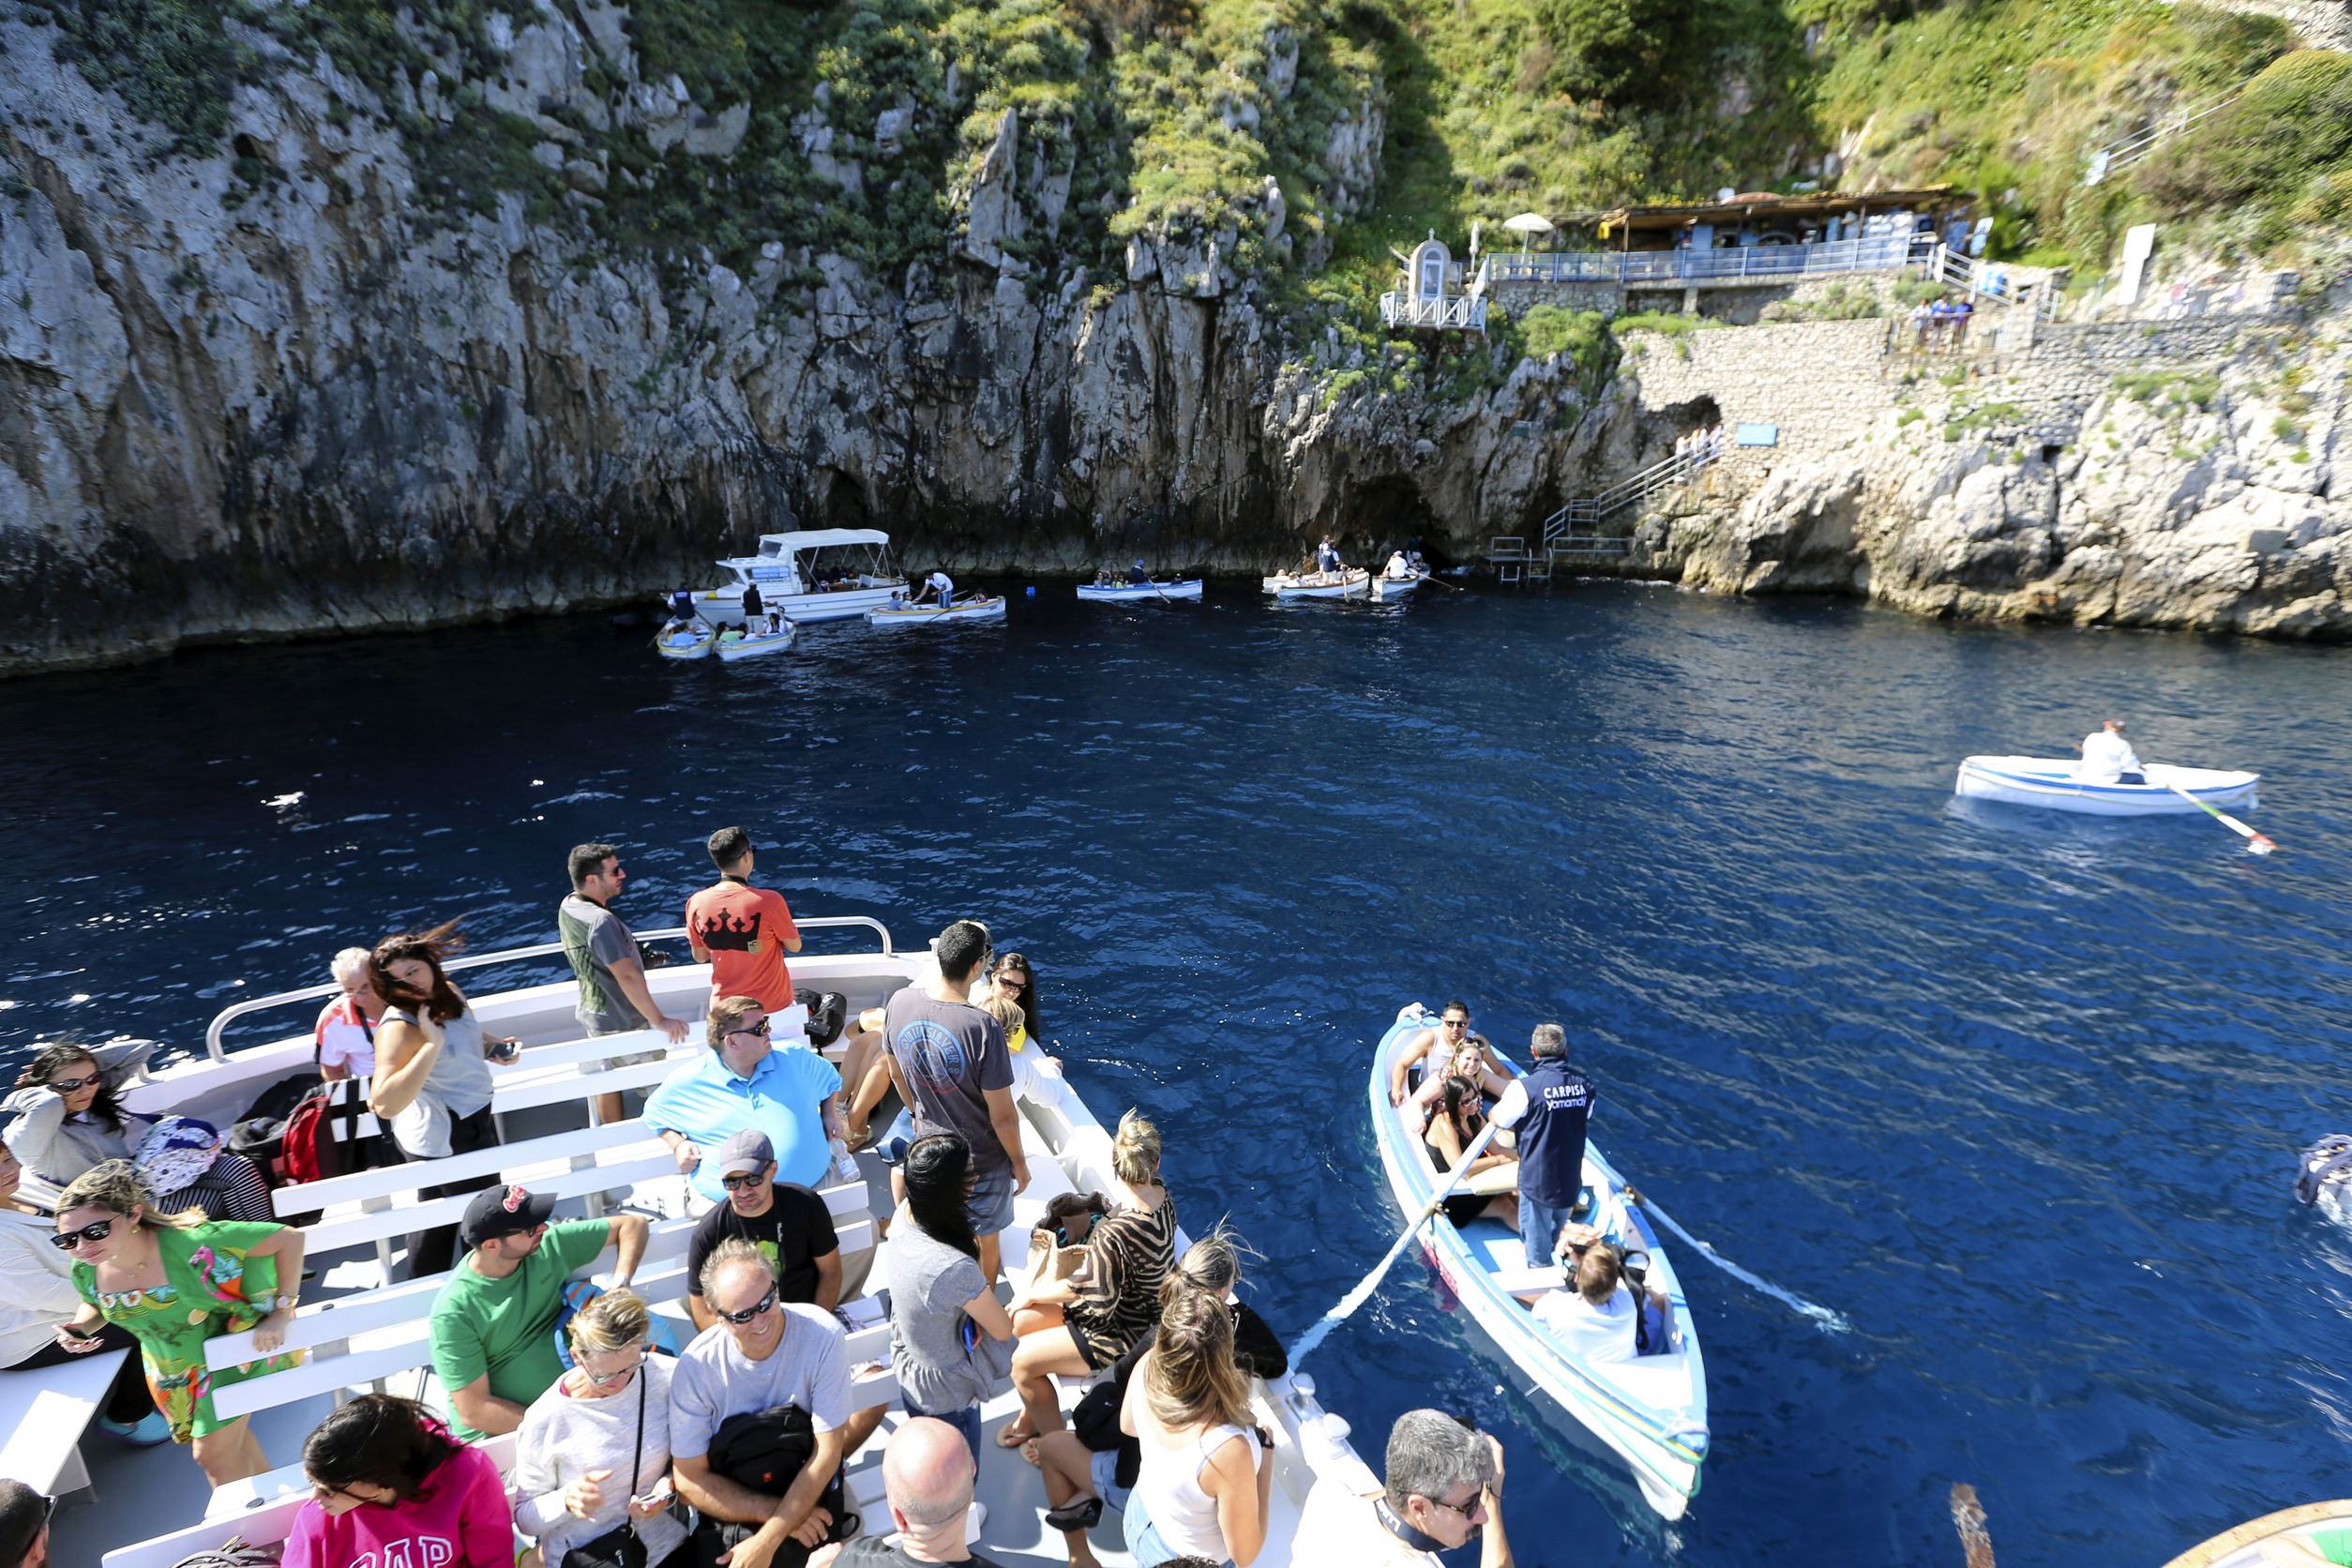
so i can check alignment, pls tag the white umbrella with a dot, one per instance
(1528, 223)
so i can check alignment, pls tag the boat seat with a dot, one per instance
(45, 1413)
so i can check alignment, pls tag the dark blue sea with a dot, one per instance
(2015, 1091)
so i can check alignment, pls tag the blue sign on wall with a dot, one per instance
(1759, 435)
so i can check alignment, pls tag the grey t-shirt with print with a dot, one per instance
(950, 1052)
(594, 939)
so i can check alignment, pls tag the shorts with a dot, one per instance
(612, 1063)
(1104, 1470)
(1097, 1350)
(990, 1203)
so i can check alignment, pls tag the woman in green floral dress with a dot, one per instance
(176, 1281)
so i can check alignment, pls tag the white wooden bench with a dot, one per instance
(45, 1413)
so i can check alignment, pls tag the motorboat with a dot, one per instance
(1651, 1413)
(1139, 592)
(1386, 589)
(958, 613)
(733, 645)
(361, 1327)
(2242, 1545)
(1353, 584)
(686, 639)
(818, 574)
(2050, 782)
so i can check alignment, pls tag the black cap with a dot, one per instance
(22, 1513)
(503, 1211)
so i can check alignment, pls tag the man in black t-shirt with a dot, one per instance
(783, 1219)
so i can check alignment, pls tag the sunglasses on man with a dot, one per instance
(762, 1304)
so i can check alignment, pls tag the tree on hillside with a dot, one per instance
(1630, 52)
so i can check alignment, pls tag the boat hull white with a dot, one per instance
(1128, 593)
(672, 644)
(724, 606)
(1665, 1446)
(932, 615)
(757, 645)
(1354, 585)
(2049, 783)
(1386, 589)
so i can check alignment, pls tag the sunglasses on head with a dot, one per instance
(749, 1312)
(97, 1230)
(68, 1085)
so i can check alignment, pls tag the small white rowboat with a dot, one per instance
(2051, 782)
(1649, 1412)
(1129, 593)
(694, 641)
(753, 644)
(2242, 1545)
(1385, 589)
(932, 615)
(1353, 584)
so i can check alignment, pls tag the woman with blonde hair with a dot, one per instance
(1083, 1324)
(176, 1281)
(1204, 1482)
(593, 1455)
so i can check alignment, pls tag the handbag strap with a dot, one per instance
(637, 1450)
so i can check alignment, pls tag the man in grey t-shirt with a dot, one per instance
(613, 996)
(950, 1064)
(761, 1353)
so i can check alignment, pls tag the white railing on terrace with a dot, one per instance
(2107, 159)
(1458, 312)
(1870, 253)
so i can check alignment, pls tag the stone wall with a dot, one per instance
(1822, 382)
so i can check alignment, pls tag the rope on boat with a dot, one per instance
(1834, 1322)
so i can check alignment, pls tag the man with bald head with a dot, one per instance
(928, 1473)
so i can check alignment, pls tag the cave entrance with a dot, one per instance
(842, 501)
(1662, 429)
(1381, 517)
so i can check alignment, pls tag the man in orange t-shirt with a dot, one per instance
(741, 931)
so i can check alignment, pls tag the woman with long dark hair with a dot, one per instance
(65, 1114)
(941, 1305)
(433, 1081)
(389, 1484)
(1015, 979)
(1454, 1124)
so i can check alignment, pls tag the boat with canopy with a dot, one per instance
(818, 574)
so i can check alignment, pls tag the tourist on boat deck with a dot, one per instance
(1081, 1324)
(1094, 1459)
(433, 1083)
(788, 1223)
(37, 1298)
(1601, 1319)
(1548, 1109)
(23, 1525)
(1327, 556)
(1457, 1120)
(343, 1043)
(745, 1081)
(2108, 758)
(176, 1281)
(493, 1323)
(1207, 1470)
(65, 1115)
(185, 1163)
(741, 931)
(608, 965)
(928, 1478)
(950, 1339)
(390, 1485)
(949, 1062)
(593, 1454)
(1433, 1048)
(1443, 1485)
(786, 1367)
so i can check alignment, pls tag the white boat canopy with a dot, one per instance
(820, 538)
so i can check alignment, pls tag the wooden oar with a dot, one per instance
(1321, 1328)
(2255, 841)
(1432, 577)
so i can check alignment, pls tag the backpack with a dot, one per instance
(307, 1150)
(828, 1012)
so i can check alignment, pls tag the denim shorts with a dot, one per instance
(992, 1203)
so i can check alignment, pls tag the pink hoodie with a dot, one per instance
(462, 1521)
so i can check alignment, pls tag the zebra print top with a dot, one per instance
(1128, 1257)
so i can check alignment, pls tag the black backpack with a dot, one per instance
(828, 1013)
(764, 1450)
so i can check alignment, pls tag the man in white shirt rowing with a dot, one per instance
(2108, 758)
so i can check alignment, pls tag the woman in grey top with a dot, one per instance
(432, 1080)
(64, 1116)
(946, 1326)
(593, 1451)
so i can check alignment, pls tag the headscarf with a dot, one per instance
(177, 1152)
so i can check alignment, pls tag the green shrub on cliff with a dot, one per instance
(2285, 148)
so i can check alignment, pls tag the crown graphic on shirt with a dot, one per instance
(724, 933)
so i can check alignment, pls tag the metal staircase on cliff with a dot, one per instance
(1575, 529)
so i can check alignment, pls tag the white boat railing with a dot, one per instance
(483, 961)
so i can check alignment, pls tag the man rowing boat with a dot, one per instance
(2108, 758)
(1327, 557)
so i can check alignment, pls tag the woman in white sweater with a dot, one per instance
(605, 1421)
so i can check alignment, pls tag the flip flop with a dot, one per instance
(1029, 1453)
(1078, 1514)
(1008, 1437)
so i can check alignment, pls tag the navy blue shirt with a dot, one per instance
(1549, 1106)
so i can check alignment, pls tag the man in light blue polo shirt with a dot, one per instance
(791, 1095)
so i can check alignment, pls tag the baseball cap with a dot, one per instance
(748, 1150)
(22, 1513)
(503, 1211)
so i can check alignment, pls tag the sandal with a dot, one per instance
(1078, 1514)
(1029, 1453)
(1008, 1437)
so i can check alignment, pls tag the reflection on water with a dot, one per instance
(2016, 1092)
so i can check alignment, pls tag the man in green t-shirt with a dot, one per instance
(494, 1322)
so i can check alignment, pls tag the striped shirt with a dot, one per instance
(1128, 1257)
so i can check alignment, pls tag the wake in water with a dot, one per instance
(1834, 1321)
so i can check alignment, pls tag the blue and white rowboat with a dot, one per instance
(2050, 782)
(1136, 593)
(962, 610)
(1650, 1412)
